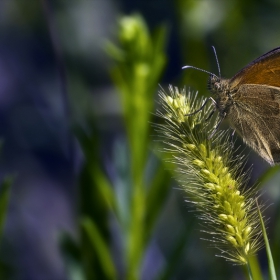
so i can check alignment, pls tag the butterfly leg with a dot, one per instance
(231, 138)
(202, 106)
(217, 126)
(210, 115)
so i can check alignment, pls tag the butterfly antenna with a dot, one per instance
(218, 64)
(199, 69)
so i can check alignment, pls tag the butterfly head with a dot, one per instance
(214, 83)
(218, 85)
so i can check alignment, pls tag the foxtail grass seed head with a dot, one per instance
(211, 177)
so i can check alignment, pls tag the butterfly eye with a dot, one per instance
(217, 85)
(210, 82)
(213, 82)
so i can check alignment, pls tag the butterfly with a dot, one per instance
(250, 100)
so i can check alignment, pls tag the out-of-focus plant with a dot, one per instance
(128, 204)
(135, 197)
(139, 60)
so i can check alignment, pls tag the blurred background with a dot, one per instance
(70, 138)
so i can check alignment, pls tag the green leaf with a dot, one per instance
(272, 273)
(267, 175)
(97, 181)
(156, 196)
(255, 268)
(100, 247)
(72, 257)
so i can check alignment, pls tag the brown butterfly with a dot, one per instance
(250, 100)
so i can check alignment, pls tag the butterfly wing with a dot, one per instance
(264, 70)
(256, 117)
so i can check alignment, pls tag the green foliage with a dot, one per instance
(139, 61)
(134, 200)
(136, 75)
(271, 267)
(130, 202)
(96, 200)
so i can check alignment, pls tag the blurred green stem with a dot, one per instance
(139, 62)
